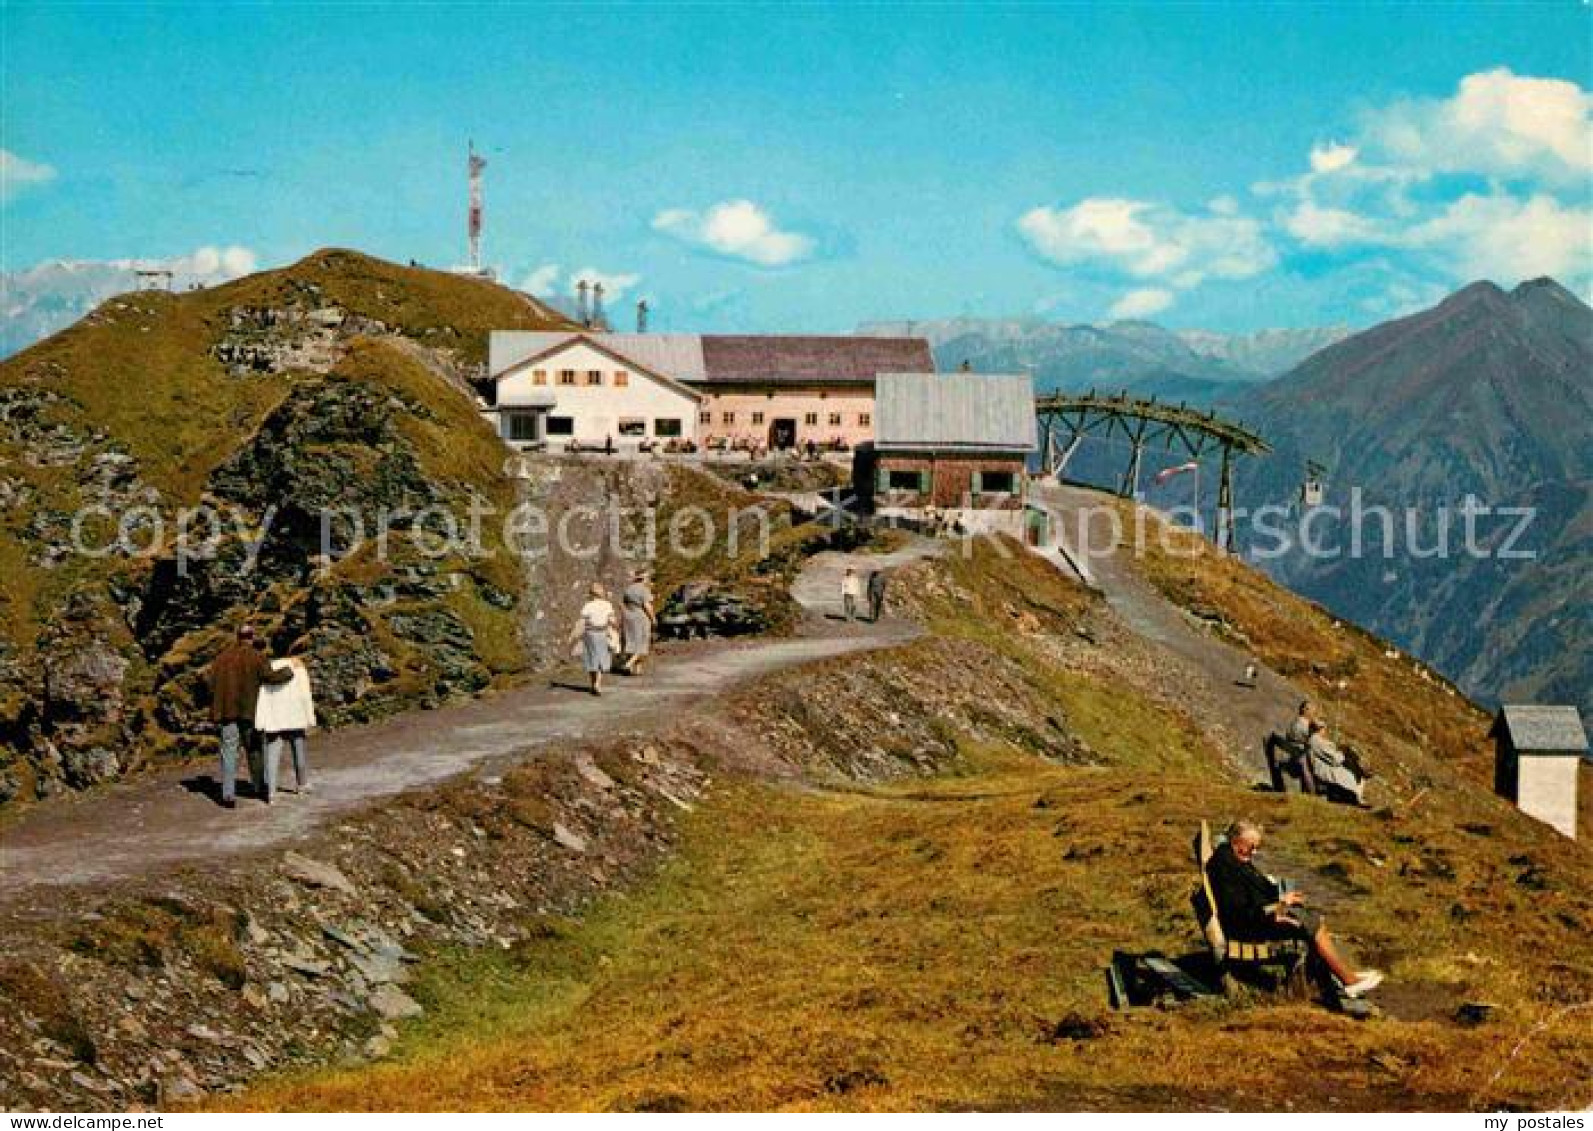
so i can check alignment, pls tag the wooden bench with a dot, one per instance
(1277, 965)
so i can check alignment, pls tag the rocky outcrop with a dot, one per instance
(277, 537)
(206, 981)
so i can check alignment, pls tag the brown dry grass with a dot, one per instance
(930, 945)
(1428, 741)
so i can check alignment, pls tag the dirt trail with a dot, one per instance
(1245, 714)
(818, 587)
(170, 818)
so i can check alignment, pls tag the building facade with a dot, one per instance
(1538, 755)
(951, 447)
(578, 390)
(774, 391)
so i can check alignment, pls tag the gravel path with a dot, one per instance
(1210, 669)
(170, 818)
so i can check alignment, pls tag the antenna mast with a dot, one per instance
(477, 163)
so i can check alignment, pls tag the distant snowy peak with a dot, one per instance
(50, 296)
(1267, 352)
(1197, 366)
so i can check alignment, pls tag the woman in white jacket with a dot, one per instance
(285, 713)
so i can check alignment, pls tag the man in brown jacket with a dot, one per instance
(235, 677)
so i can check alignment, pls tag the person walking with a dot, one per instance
(637, 619)
(284, 714)
(876, 595)
(593, 630)
(234, 678)
(851, 592)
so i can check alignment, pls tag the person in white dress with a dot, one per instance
(593, 632)
(285, 713)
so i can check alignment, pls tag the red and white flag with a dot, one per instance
(1168, 473)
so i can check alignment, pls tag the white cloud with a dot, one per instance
(51, 295)
(1150, 241)
(541, 280)
(1497, 123)
(738, 229)
(1142, 303)
(1408, 183)
(18, 173)
(1331, 157)
(1324, 227)
(614, 284)
(1508, 238)
(204, 265)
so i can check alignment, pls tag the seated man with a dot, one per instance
(1300, 727)
(1251, 907)
(1336, 775)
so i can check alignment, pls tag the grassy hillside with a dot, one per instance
(339, 382)
(922, 920)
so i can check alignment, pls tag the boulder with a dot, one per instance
(393, 1004)
(316, 874)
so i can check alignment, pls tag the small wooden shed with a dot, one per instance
(1538, 752)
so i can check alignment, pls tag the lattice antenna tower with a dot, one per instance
(476, 165)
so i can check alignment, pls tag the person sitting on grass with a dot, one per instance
(1253, 908)
(1337, 773)
(1300, 727)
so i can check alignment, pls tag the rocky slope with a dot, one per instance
(1047, 775)
(1490, 395)
(338, 384)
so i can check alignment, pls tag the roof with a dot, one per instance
(761, 359)
(1547, 729)
(957, 411)
(603, 344)
(795, 359)
(677, 356)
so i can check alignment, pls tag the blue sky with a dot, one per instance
(805, 168)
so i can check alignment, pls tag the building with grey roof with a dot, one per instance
(1538, 755)
(950, 450)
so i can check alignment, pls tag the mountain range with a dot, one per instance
(1489, 396)
(1198, 366)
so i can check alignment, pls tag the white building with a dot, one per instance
(578, 389)
(1538, 753)
(777, 390)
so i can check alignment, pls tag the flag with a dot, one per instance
(1164, 476)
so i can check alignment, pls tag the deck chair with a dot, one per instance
(1274, 965)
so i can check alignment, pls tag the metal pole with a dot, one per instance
(1225, 538)
(1130, 486)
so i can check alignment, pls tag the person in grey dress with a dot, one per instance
(636, 620)
(591, 634)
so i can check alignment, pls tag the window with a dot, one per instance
(566, 376)
(539, 376)
(667, 426)
(995, 482)
(835, 420)
(632, 426)
(757, 418)
(903, 480)
(594, 376)
(562, 425)
(705, 417)
(523, 427)
(727, 418)
(622, 379)
(811, 419)
(864, 420)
